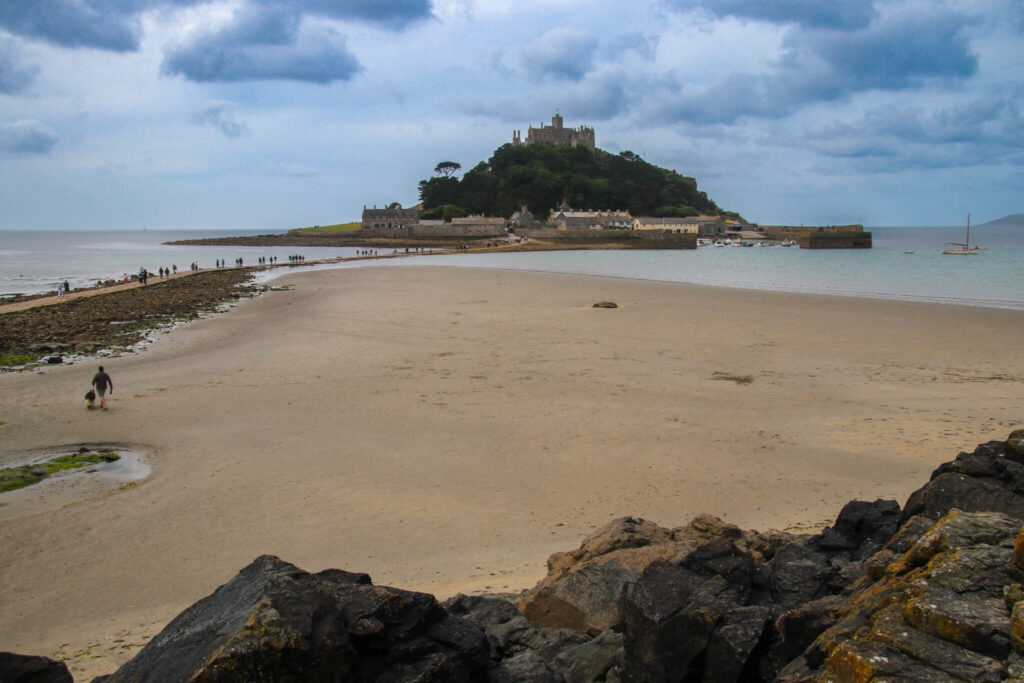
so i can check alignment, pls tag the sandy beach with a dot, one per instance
(448, 429)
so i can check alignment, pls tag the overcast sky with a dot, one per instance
(272, 114)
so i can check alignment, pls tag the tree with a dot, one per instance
(447, 169)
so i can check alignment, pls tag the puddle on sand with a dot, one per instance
(128, 468)
(69, 486)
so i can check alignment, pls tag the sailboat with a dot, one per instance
(962, 247)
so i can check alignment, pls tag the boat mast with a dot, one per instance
(968, 245)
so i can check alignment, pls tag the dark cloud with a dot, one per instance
(15, 74)
(114, 24)
(564, 53)
(262, 43)
(394, 14)
(825, 66)
(218, 115)
(894, 54)
(833, 14)
(72, 23)
(27, 137)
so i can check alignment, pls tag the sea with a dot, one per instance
(906, 263)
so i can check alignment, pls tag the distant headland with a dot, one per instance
(1013, 220)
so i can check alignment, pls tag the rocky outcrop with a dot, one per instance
(933, 591)
(275, 622)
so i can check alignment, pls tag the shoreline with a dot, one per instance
(448, 429)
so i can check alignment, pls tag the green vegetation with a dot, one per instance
(340, 227)
(13, 478)
(15, 358)
(541, 177)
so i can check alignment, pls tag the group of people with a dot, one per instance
(63, 288)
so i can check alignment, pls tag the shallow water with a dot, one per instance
(36, 261)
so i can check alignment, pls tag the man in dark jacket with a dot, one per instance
(102, 382)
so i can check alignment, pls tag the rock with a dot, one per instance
(860, 521)
(592, 660)
(939, 611)
(1015, 446)
(606, 304)
(15, 668)
(527, 667)
(55, 360)
(275, 622)
(673, 615)
(799, 574)
(984, 481)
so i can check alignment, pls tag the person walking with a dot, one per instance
(101, 380)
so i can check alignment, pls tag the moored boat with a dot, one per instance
(964, 247)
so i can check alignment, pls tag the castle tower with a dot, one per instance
(556, 121)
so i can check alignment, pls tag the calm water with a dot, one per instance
(33, 261)
(37, 261)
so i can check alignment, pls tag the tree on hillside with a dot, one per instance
(540, 177)
(446, 169)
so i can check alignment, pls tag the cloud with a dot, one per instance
(899, 53)
(564, 53)
(833, 14)
(27, 137)
(15, 75)
(393, 14)
(645, 46)
(895, 54)
(262, 43)
(72, 23)
(985, 131)
(218, 115)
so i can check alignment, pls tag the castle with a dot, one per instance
(556, 135)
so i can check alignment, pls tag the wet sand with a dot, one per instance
(447, 429)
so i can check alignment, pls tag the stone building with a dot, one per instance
(697, 225)
(392, 221)
(565, 218)
(557, 135)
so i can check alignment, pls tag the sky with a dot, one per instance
(272, 114)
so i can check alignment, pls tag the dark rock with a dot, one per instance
(984, 481)
(672, 615)
(55, 360)
(481, 610)
(1015, 446)
(526, 667)
(799, 574)
(518, 635)
(275, 622)
(588, 600)
(859, 522)
(15, 668)
(606, 304)
(592, 660)
(798, 628)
